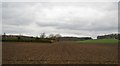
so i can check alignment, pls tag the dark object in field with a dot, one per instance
(51, 41)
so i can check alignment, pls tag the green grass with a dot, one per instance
(100, 41)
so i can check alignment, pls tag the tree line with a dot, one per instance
(109, 36)
(41, 38)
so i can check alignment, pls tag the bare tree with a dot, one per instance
(51, 36)
(57, 37)
(4, 35)
(42, 35)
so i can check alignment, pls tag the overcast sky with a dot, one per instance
(65, 18)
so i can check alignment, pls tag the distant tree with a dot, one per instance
(57, 37)
(51, 36)
(42, 35)
(118, 36)
(109, 36)
(4, 35)
(36, 37)
(31, 37)
(19, 37)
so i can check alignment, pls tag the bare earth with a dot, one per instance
(58, 53)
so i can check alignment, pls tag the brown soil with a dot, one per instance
(58, 53)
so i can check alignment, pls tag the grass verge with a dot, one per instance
(100, 41)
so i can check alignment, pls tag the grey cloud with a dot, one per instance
(12, 29)
(15, 15)
(80, 17)
(59, 0)
(85, 27)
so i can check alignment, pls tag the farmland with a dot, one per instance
(58, 53)
(100, 41)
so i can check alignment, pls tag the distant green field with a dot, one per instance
(100, 41)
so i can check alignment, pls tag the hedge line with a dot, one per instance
(23, 40)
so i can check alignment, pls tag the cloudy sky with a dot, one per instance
(65, 18)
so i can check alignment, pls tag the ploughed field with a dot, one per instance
(58, 53)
